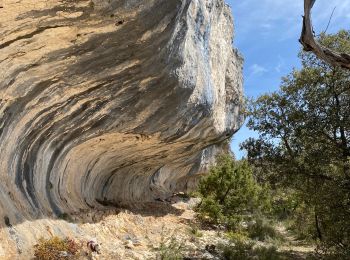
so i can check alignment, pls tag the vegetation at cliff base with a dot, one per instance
(297, 171)
(303, 148)
(230, 194)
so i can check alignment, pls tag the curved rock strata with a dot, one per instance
(111, 101)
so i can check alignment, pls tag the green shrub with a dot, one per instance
(237, 236)
(239, 250)
(230, 193)
(266, 253)
(329, 252)
(66, 217)
(171, 250)
(210, 210)
(284, 202)
(194, 230)
(261, 230)
(246, 251)
(302, 223)
(234, 222)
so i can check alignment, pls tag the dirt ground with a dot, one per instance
(136, 233)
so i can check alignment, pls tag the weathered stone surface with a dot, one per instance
(111, 101)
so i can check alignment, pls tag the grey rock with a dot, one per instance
(112, 101)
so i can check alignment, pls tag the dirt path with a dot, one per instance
(292, 247)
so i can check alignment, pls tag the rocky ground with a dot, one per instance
(145, 232)
(140, 233)
(123, 234)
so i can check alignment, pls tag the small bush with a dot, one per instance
(171, 250)
(238, 236)
(238, 250)
(261, 230)
(302, 223)
(247, 251)
(56, 248)
(327, 252)
(234, 222)
(66, 217)
(209, 211)
(194, 230)
(230, 194)
(267, 253)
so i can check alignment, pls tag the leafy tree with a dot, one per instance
(304, 142)
(230, 192)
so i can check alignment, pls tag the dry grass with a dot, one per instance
(56, 248)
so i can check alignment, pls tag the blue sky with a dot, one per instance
(267, 33)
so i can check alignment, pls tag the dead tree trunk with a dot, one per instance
(310, 44)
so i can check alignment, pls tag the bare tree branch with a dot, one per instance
(310, 44)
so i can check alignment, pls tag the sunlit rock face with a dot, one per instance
(111, 101)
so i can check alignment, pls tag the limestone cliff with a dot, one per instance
(111, 101)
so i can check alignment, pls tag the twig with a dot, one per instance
(330, 19)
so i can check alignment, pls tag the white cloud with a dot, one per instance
(256, 69)
(278, 68)
(266, 25)
(281, 64)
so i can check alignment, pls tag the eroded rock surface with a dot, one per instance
(109, 101)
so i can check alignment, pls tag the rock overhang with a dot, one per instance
(112, 101)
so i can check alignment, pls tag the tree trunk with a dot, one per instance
(310, 44)
(318, 228)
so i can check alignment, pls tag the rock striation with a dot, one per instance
(111, 101)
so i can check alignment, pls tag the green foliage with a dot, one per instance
(230, 193)
(247, 251)
(171, 250)
(56, 248)
(210, 210)
(262, 229)
(238, 236)
(302, 223)
(194, 230)
(66, 217)
(284, 202)
(304, 145)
